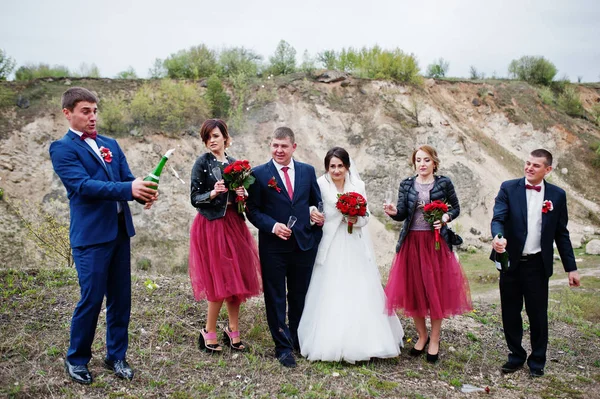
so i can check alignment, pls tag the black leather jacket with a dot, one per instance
(443, 189)
(202, 184)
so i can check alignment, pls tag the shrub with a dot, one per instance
(238, 60)
(7, 65)
(438, 69)
(46, 230)
(30, 72)
(240, 90)
(195, 63)
(546, 95)
(217, 98)
(375, 63)
(112, 114)
(283, 61)
(7, 97)
(569, 102)
(169, 105)
(534, 70)
(129, 73)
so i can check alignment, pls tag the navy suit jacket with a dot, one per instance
(93, 188)
(266, 206)
(510, 219)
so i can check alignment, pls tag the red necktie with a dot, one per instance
(91, 135)
(536, 188)
(288, 182)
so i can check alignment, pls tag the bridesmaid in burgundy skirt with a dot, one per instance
(425, 281)
(223, 263)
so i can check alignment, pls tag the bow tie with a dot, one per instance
(91, 135)
(536, 188)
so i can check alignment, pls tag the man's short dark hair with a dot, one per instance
(541, 153)
(283, 133)
(72, 96)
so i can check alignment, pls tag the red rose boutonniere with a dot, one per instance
(273, 184)
(547, 206)
(106, 154)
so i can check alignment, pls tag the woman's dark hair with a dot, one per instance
(339, 153)
(209, 125)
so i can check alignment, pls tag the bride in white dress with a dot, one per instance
(344, 315)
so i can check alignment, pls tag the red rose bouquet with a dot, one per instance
(433, 212)
(352, 204)
(238, 175)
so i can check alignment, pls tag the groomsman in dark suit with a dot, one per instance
(285, 187)
(531, 214)
(99, 183)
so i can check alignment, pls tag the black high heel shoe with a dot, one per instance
(418, 352)
(209, 348)
(228, 337)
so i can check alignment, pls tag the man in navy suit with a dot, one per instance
(99, 183)
(531, 214)
(285, 187)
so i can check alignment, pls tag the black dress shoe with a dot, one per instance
(78, 373)
(120, 367)
(418, 352)
(535, 373)
(509, 367)
(287, 360)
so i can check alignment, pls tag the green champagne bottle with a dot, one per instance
(502, 261)
(155, 175)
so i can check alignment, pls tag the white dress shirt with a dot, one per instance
(535, 200)
(94, 146)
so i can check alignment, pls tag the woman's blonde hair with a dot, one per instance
(431, 152)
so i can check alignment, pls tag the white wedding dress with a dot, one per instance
(344, 315)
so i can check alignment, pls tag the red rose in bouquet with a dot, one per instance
(238, 175)
(352, 204)
(433, 212)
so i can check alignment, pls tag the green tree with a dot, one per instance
(88, 71)
(158, 70)
(308, 63)
(327, 58)
(238, 60)
(283, 60)
(7, 65)
(217, 97)
(438, 69)
(474, 74)
(129, 73)
(196, 63)
(534, 70)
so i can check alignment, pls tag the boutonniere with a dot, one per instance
(547, 206)
(273, 184)
(106, 154)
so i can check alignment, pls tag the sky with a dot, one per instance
(486, 34)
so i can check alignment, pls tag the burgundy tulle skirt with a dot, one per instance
(223, 262)
(424, 281)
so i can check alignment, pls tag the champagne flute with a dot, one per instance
(320, 208)
(388, 197)
(216, 171)
(291, 221)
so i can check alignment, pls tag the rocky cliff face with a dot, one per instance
(482, 131)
